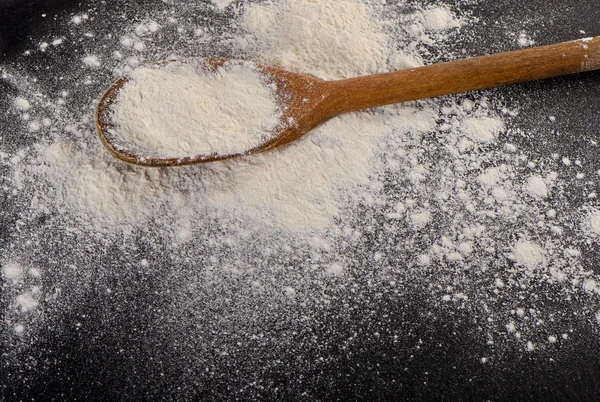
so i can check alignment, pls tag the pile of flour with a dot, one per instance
(186, 109)
(300, 188)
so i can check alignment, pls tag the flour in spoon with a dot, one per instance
(185, 109)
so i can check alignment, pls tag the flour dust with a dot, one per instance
(434, 198)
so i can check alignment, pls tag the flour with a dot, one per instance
(591, 222)
(335, 269)
(590, 285)
(294, 187)
(449, 204)
(490, 177)
(127, 42)
(536, 187)
(26, 302)
(298, 187)
(147, 28)
(92, 61)
(439, 19)
(528, 255)
(22, 104)
(595, 223)
(19, 329)
(222, 4)
(304, 36)
(524, 40)
(502, 194)
(12, 271)
(180, 109)
(420, 219)
(483, 129)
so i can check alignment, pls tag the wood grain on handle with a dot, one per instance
(467, 75)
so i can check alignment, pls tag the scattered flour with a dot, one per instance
(19, 329)
(147, 28)
(181, 109)
(591, 222)
(12, 270)
(22, 104)
(424, 198)
(524, 40)
(483, 129)
(91, 61)
(300, 187)
(127, 42)
(304, 36)
(294, 187)
(78, 19)
(528, 255)
(536, 187)
(595, 223)
(335, 269)
(590, 285)
(420, 219)
(222, 4)
(26, 302)
(490, 177)
(439, 19)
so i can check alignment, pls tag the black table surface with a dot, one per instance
(89, 364)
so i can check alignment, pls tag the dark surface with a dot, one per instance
(118, 355)
(21, 19)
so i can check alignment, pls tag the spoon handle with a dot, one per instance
(468, 75)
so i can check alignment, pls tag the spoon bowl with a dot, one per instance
(306, 101)
(299, 96)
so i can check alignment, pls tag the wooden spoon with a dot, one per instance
(308, 101)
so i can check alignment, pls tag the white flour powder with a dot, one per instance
(297, 187)
(327, 39)
(536, 187)
(12, 271)
(222, 4)
(92, 61)
(22, 104)
(482, 129)
(528, 254)
(182, 109)
(591, 222)
(444, 198)
(439, 19)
